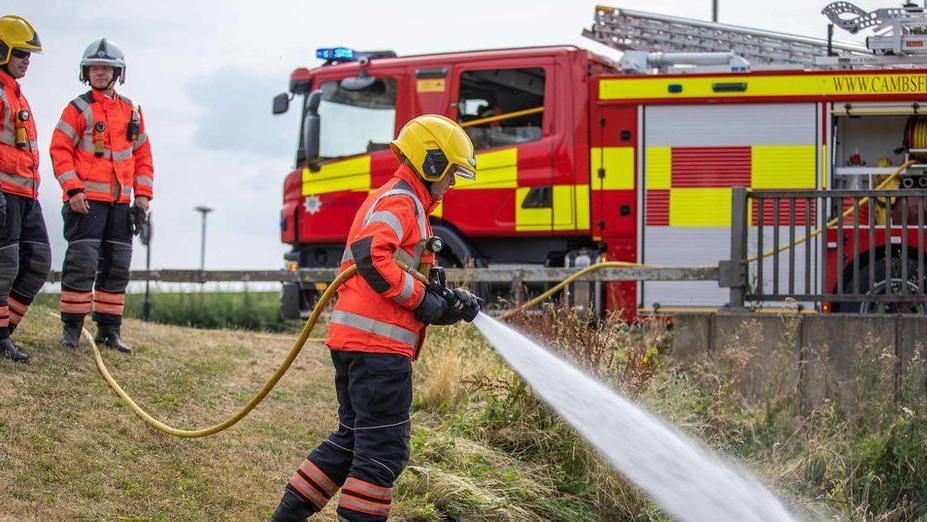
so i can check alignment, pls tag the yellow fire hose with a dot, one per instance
(268, 386)
(326, 297)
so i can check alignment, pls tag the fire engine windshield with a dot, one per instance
(356, 121)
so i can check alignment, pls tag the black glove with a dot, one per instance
(468, 304)
(432, 308)
(462, 305)
(2, 209)
(137, 219)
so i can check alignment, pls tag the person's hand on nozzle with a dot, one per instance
(468, 304)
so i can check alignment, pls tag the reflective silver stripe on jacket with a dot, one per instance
(67, 175)
(389, 219)
(422, 217)
(98, 187)
(19, 180)
(85, 111)
(408, 287)
(126, 191)
(86, 144)
(142, 138)
(366, 324)
(122, 154)
(7, 135)
(69, 131)
(144, 180)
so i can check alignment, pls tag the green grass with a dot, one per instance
(238, 310)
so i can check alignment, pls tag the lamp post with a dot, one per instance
(203, 210)
(714, 10)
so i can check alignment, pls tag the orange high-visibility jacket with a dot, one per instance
(375, 308)
(19, 150)
(92, 152)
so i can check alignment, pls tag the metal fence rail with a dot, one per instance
(832, 246)
(456, 275)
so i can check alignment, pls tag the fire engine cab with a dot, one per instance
(581, 158)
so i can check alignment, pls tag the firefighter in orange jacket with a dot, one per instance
(102, 158)
(378, 326)
(25, 257)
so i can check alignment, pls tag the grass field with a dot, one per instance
(483, 447)
(237, 310)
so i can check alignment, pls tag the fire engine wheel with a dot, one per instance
(885, 285)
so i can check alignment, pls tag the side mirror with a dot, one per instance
(311, 130)
(281, 103)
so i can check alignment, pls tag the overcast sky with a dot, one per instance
(205, 72)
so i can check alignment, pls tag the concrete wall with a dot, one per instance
(833, 357)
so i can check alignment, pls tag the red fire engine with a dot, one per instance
(581, 158)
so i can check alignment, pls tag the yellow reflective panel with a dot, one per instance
(839, 84)
(529, 219)
(783, 166)
(337, 176)
(618, 163)
(825, 165)
(571, 207)
(658, 168)
(495, 169)
(430, 85)
(700, 207)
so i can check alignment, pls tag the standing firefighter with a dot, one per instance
(25, 257)
(378, 326)
(101, 155)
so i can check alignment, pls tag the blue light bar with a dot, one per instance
(335, 54)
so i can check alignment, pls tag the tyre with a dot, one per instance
(884, 285)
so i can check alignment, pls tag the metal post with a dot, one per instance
(738, 264)
(714, 10)
(146, 306)
(203, 210)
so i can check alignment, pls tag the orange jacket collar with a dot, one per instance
(404, 172)
(9, 81)
(100, 97)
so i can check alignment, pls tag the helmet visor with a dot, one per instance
(461, 172)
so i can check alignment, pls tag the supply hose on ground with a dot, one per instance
(268, 386)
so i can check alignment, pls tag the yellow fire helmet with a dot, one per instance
(435, 146)
(17, 33)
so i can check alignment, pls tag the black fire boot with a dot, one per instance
(292, 508)
(9, 350)
(70, 335)
(108, 335)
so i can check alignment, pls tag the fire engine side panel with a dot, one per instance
(693, 156)
(613, 167)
